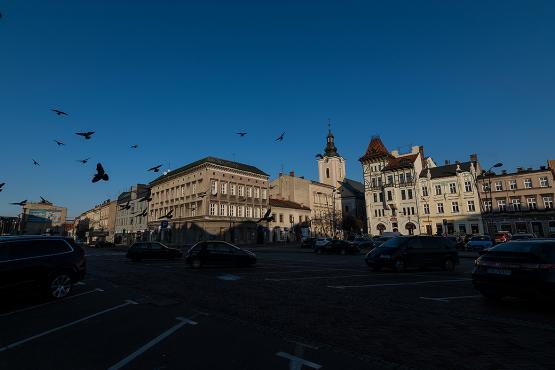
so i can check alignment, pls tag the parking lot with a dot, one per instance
(325, 311)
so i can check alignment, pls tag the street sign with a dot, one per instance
(164, 224)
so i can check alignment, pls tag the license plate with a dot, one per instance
(498, 271)
(385, 256)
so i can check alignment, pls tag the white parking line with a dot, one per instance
(152, 343)
(396, 284)
(447, 299)
(317, 277)
(296, 363)
(49, 303)
(36, 336)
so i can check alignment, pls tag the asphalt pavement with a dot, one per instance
(292, 311)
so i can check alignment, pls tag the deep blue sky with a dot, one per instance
(180, 79)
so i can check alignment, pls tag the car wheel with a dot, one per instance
(449, 265)
(400, 266)
(196, 263)
(59, 285)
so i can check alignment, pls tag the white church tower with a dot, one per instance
(331, 167)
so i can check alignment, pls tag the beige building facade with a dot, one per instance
(132, 214)
(290, 220)
(449, 201)
(210, 199)
(43, 218)
(98, 223)
(521, 201)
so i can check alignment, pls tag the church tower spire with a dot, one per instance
(330, 150)
(331, 167)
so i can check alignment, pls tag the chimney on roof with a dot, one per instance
(519, 169)
(458, 162)
(504, 172)
(292, 173)
(474, 157)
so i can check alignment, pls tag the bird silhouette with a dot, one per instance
(100, 174)
(267, 216)
(44, 201)
(135, 146)
(59, 142)
(124, 206)
(59, 112)
(280, 138)
(241, 133)
(319, 156)
(35, 163)
(22, 203)
(145, 199)
(2, 185)
(168, 215)
(143, 213)
(83, 160)
(155, 168)
(87, 135)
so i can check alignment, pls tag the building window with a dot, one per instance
(548, 202)
(452, 188)
(401, 178)
(375, 197)
(425, 190)
(232, 189)
(515, 204)
(438, 189)
(532, 205)
(502, 205)
(543, 182)
(485, 187)
(281, 218)
(412, 210)
(232, 210)
(291, 219)
(389, 195)
(264, 193)
(512, 184)
(194, 188)
(248, 212)
(224, 188)
(455, 207)
(390, 179)
(527, 183)
(257, 193)
(249, 192)
(241, 190)
(408, 177)
(403, 194)
(404, 211)
(486, 205)
(328, 173)
(193, 210)
(498, 186)
(471, 206)
(256, 212)
(212, 209)
(426, 209)
(240, 211)
(409, 193)
(214, 187)
(467, 186)
(381, 196)
(223, 210)
(440, 208)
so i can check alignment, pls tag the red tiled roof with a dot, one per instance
(287, 204)
(376, 149)
(401, 162)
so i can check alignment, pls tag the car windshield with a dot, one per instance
(393, 243)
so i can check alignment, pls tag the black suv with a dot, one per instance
(405, 252)
(52, 264)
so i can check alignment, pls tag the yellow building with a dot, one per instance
(43, 218)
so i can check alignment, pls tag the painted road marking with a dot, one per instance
(52, 302)
(396, 284)
(447, 299)
(317, 277)
(296, 363)
(36, 336)
(182, 322)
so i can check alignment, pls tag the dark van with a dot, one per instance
(404, 252)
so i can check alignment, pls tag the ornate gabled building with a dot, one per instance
(390, 187)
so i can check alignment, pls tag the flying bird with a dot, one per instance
(59, 112)
(124, 206)
(44, 201)
(83, 160)
(155, 168)
(22, 203)
(168, 215)
(2, 185)
(319, 156)
(267, 216)
(143, 213)
(241, 133)
(100, 174)
(280, 138)
(134, 146)
(145, 199)
(59, 142)
(35, 163)
(87, 135)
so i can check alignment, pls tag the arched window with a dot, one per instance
(381, 228)
(328, 173)
(410, 228)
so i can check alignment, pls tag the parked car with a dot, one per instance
(218, 253)
(308, 243)
(502, 237)
(523, 236)
(379, 240)
(337, 246)
(103, 244)
(523, 268)
(405, 252)
(322, 241)
(51, 264)
(363, 243)
(479, 243)
(152, 250)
